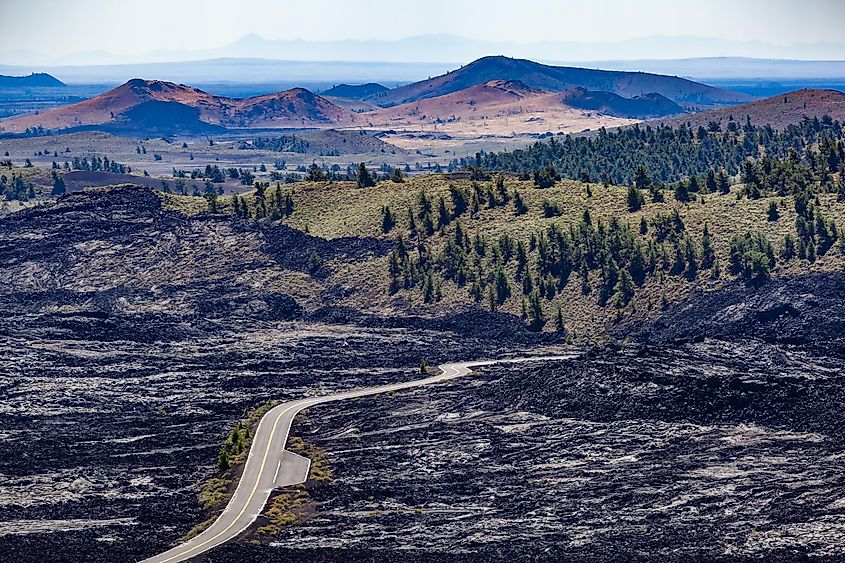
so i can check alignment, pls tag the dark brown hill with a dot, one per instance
(778, 111)
(159, 105)
(687, 93)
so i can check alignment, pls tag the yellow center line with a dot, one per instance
(456, 372)
(251, 494)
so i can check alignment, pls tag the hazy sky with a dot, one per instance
(58, 27)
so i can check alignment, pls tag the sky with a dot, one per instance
(60, 27)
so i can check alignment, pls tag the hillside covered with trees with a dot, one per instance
(670, 154)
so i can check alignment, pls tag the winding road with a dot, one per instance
(270, 466)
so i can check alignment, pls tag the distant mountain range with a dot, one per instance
(488, 84)
(513, 91)
(35, 80)
(247, 77)
(451, 49)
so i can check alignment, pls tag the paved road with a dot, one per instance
(270, 466)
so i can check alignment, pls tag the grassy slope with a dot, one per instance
(341, 209)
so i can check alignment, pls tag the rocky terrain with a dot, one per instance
(107, 439)
(128, 359)
(137, 335)
(713, 451)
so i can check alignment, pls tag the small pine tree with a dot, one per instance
(773, 213)
(722, 183)
(58, 185)
(491, 298)
(388, 219)
(502, 285)
(519, 204)
(443, 216)
(560, 326)
(641, 178)
(635, 199)
(223, 463)
(365, 179)
(314, 260)
(708, 252)
(412, 221)
(535, 309)
(711, 183)
(624, 288)
(682, 192)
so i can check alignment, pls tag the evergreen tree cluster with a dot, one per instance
(645, 155)
(266, 203)
(16, 188)
(282, 143)
(608, 259)
(236, 443)
(99, 164)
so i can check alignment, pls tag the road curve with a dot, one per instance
(269, 466)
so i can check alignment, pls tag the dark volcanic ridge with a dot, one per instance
(806, 310)
(355, 91)
(608, 103)
(112, 264)
(34, 80)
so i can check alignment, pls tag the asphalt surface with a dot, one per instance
(270, 466)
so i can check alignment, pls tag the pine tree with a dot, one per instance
(711, 183)
(388, 219)
(519, 204)
(682, 192)
(459, 201)
(641, 178)
(223, 460)
(365, 179)
(708, 252)
(722, 183)
(502, 285)
(315, 173)
(788, 251)
(412, 221)
(521, 257)
(690, 258)
(527, 283)
(535, 308)
(501, 190)
(635, 199)
(443, 216)
(560, 325)
(58, 185)
(624, 288)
